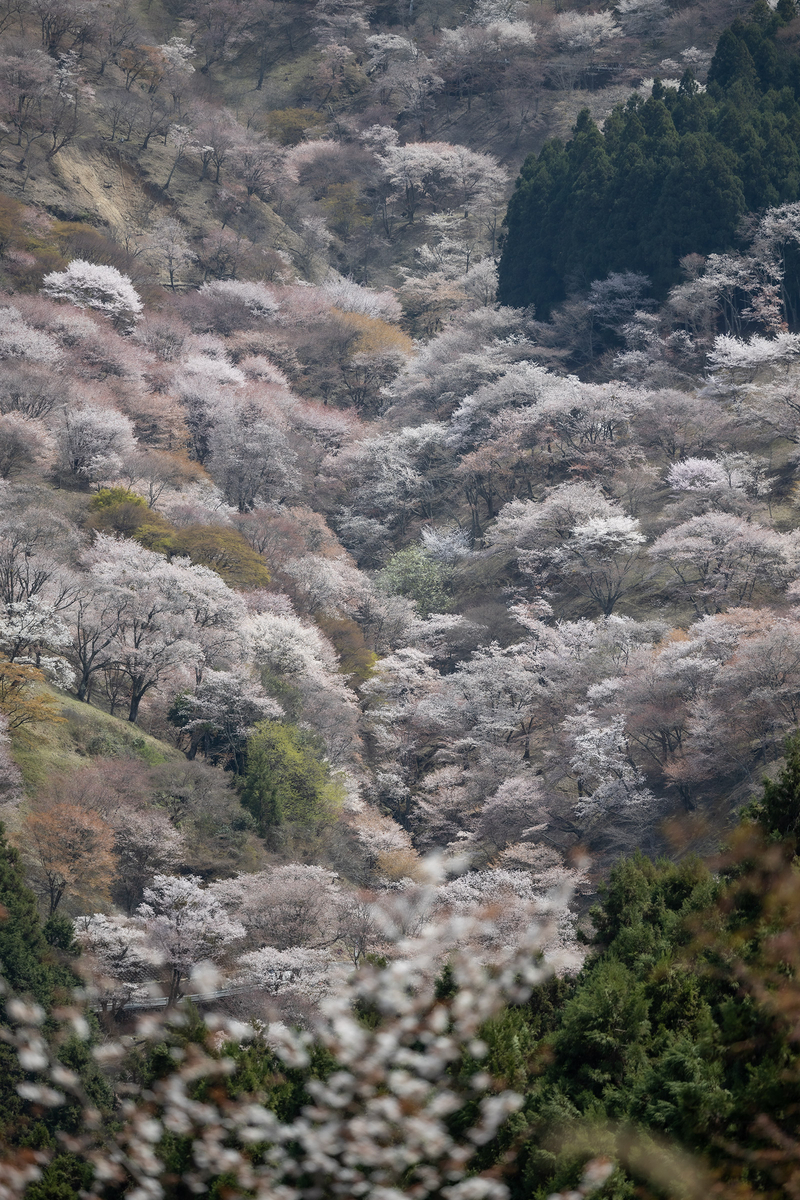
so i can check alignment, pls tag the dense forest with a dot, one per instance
(671, 174)
(399, 578)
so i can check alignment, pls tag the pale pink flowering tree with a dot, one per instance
(23, 442)
(221, 714)
(250, 456)
(146, 843)
(350, 296)
(299, 969)
(547, 868)
(30, 625)
(606, 774)
(290, 905)
(93, 441)
(170, 616)
(93, 285)
(575, 536)
(305, 659)
(257, 298)
(514, 902)
(516, 810)
(440, 175)
(186, 925)
(719, 560)
(117, 959)
(574, 31)
(18, 339)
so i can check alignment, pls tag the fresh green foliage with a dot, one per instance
(286, 779)
(415, 573)
(224, 551)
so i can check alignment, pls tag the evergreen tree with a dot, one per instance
(30, 968)
(668, 176)
(778, 810)
(26, 960)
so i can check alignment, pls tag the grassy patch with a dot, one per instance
(84, 733)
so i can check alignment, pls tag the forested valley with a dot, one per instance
(399, 599)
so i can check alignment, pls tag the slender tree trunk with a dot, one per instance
(174, 988)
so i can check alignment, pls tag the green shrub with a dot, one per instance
(286, 778)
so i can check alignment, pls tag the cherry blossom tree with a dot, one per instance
(286, 645)
(301, 656)
(350, 296)
(155, 633)
(515, 811)
(288, 906)
(95, 621)
(256, 298)
(250, 457)
(440, 175)
(18, 339)
(606, 775)
(93, 441)
(719, 560)
(442, 811)
(31, 566)
(733, 482)
(575, 535)
(774, 239)
(185, 924)
(400, 684)
(31, 627)
(102, 288)
(679, 425)
(23, 441)
(146, 843)
(220, 715)
(513, 897)
(383, 479)
(116, 955)
(325, 586)
(167, 246)
(403, 75)
(547, 868)
(760, 376)
(300, 969)
(474, 56)
(40, 99)
(583, 31)
(604, 551)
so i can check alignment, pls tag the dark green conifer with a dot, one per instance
(24, 952)
(732, 62)
(668, 176)
(779, 808)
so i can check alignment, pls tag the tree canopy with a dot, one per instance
(286, 780)
(669, 174)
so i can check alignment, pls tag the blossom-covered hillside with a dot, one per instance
(354, 625)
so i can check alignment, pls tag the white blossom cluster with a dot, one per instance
(377, 1126)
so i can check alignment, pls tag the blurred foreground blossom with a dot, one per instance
(379, 1125)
